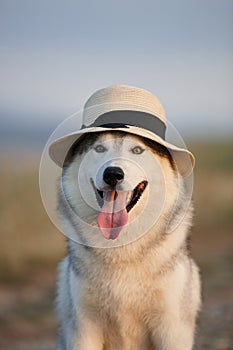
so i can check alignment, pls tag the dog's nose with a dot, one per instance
(113, 175)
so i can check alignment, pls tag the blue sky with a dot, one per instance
(55, 53)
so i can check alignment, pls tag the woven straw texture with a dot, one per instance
(122, 97)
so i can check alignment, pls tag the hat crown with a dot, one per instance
(122, 97)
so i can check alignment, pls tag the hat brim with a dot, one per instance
(183, 158)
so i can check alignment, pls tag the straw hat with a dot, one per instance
(124, 108)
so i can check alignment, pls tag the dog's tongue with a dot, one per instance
(113, 215)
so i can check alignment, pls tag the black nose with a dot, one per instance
(113, 175)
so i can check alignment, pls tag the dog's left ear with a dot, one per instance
(184, 162)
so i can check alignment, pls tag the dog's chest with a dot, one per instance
(126, 290)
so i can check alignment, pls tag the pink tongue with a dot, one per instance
(113, 215)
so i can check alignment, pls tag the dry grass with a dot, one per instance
(29, 241)
(31, 246)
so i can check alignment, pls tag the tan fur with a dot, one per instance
(144, 295)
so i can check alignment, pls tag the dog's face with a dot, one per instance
(115, 181)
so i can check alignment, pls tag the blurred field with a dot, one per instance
(31, 247)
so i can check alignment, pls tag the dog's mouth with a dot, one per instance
(115, 206)
(133, 196)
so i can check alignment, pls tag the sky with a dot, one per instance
(54, 54)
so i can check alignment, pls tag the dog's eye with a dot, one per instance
(100, 149)
(137, 150)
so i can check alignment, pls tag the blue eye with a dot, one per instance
(137, 150)
(100, 149)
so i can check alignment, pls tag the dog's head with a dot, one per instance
(119, 182)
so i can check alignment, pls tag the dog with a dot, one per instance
(128, 282)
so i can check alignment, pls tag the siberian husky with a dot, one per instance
(128, 282)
